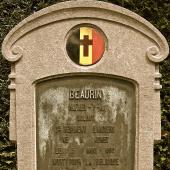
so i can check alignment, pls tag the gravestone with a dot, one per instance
(85, 90)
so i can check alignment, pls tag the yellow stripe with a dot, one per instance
(85, 60)
(85, 31)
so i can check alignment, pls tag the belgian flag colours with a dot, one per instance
(85, 46)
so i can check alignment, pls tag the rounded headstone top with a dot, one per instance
(90, 9)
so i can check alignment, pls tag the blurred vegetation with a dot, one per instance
(14, 11)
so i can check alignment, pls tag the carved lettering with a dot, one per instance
(77, 107)
(107, 162)
(109, 150)
(91, 151)
(70, 129)
(85, 118)
(101, 139)
(65, 139)
(59, 151)
(88, 162)
(85, 94)
(74, 162)
(59, 162)
(66, 162)
(103, 129)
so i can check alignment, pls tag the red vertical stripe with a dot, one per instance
(98, 46)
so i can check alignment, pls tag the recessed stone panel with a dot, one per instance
(85, 123)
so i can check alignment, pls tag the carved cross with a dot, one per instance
(86, 42)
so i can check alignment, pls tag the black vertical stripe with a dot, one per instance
(73, 46)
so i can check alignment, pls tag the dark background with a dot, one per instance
(13, 11)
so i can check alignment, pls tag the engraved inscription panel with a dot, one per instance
(85, 122)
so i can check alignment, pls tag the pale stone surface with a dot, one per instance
(36, 47)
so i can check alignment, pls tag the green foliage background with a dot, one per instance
(13, 11)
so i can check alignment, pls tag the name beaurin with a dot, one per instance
(85, 94)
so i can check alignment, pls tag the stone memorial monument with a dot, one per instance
(85, 90)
